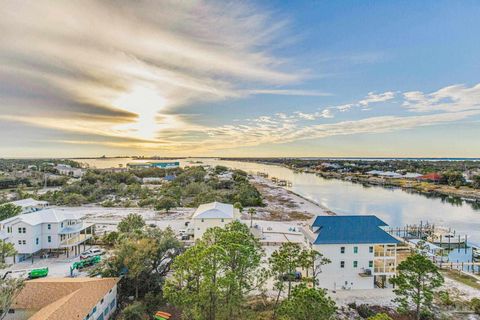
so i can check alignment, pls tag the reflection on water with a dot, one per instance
(395, 206)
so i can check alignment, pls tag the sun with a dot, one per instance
(146, 103)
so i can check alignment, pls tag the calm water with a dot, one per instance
(395, 206)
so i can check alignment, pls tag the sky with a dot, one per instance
(240, 78)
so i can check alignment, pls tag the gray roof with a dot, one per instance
(214, 210)
(44, 216)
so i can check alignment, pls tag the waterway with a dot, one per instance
(394, 206)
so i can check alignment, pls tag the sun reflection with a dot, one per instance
(146, 103)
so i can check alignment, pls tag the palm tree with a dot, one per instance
(251, 212)
(6, 250)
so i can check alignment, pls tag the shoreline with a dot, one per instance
(469, 195)
(284, 204)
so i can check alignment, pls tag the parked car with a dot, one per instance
(92, 253)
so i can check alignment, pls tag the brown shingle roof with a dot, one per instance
(62, 298)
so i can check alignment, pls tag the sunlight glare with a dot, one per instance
(146, 103)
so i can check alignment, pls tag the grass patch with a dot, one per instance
(463, 278)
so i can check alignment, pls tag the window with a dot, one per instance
(61, 225)
(370, 249)
(355, 249)
(342, 264)
(223, 220)
(105, 312)
(370, 264)
(112, 304)
(36, 241)
(101, 301)
(355, 264)
(49, 239)
(19, 241)
(342, 249)
(24, 241)
(94, 309)
(24, 230)
(19, 230)
(49, 226)
(203, 220)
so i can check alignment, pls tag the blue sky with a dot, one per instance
(277, 78)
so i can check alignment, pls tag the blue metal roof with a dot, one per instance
(351, 229)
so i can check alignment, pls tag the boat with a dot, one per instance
(443, 236)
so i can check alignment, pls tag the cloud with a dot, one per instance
(290, 92)
(78, 59)
(374, 98)
(325, 113)
(452, 98)
(367, 101)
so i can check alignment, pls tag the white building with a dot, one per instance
(65, 298)
(67, 170)
(47, 229)
(214, 214)
(30, 205)
(362, 255)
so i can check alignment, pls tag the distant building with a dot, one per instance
(165, 165)
(67, 170)
(152, 180)
(161, 165)
(47, 229)
(214, 214)
(30, 205)
(432, 177)
(388, 174)
(362, 255)
(65, 298)
(412, 175)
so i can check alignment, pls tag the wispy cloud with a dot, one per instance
(452, 98)
(70, 59)
(364, 103)
(290, 92)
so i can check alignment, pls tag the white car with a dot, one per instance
(92, 253)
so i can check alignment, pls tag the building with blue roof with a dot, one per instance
(363, 255)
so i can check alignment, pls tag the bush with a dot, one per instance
(475, 304)
(364, 311)
(380, 316)
(135, 311)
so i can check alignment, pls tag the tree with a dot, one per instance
(110, 238)
(476, 182)
(283, 264)
(307, 304)
(213, 278)
(135, 311)
(475, 303)
(312, 261)
(166, 203)
(144, 258)
(9, 210)
(251, 212)
(380, 316)
(9, 289)
(6, 250)
(131, 223)
(238, 205)
(415, 283)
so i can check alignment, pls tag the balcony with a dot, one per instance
(366, 273)
(75, 240)
(386, 269)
